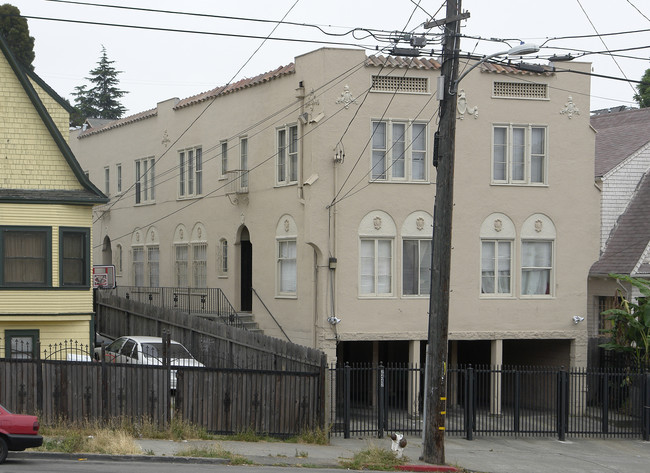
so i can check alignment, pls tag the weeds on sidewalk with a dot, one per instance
(374, 458)
(215, 452)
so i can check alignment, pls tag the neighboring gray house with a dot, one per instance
(622, 165)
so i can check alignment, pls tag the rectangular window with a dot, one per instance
(376, 267)
(200, 265)
(190, 172)
(416, 271)
(21, 344)
(119, 177)
(181, 264)
(74, 254)
(224, 158)
(243, 163)
(153, 265)
(519, 155)
(287, 156)
(496, 267)
(138, 265)
(399, 150)
(223, 257)
(145, 175)
(107, 180)
(26, 256)
(287, 267)
(536, 267)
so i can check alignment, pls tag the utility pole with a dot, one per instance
(436, 366)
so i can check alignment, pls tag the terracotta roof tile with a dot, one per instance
(236, 86)
(118, 123)
(619, 135)
(498, 68)
(399, 61)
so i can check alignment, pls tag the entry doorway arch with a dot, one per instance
(107, 251)
(245, 271)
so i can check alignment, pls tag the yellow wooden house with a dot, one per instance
(46, 205)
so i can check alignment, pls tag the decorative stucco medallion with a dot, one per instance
(199, 232)
(419, 223)
(137, 237)
(286, 225)
(462, 108)
(165, 139)
(180, 233)
(539, 226)
(346, 97)
(377, 223)
(570, 108)
(498, 225)
(153, 235)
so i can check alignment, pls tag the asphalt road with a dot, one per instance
(49, 465)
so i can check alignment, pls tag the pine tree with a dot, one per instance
(102, 100)
(14, 29)
(643, 97)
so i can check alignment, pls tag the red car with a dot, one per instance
(17, 432)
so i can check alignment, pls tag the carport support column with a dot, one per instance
(414, 377)
(496, 360)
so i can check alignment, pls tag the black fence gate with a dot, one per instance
(373, 400)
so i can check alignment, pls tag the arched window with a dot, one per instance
(199, 245)
(377, 233)
(181, 256)
(286, 234)
(417, 231)
(537, 256)
(222, 258)
(497, 241)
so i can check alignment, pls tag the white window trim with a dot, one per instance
(107, 180)
(496, 294)
(184, 178)
(186, 261)
(551, 282)
(223, 160)
(222, 268)
(118, 173)
(278, 293)
(284, 150)
(419, 240)
(146, 182)
(375, 294)
(408, 152)
(527, 156)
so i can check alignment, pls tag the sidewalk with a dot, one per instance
(485, 455)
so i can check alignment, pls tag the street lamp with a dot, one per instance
(519, 50)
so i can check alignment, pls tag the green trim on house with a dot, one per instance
(61, 143)
(10, 334)
(48, 256)
(85, 263)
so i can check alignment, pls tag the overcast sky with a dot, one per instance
(158, 65)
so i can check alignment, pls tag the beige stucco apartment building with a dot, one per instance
(307, 193)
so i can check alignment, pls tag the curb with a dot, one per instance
(427, 468)
(125, 458)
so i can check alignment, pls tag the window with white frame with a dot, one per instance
(497, 241)
(377, 232)
(223, 257)
(190, 172)
(417, 231)
(153, 265)
(286, 237)
(138, 265)
(399, 150)
(537, 257)
(118, 259)
(224, 158)
(145, 180)
(107, 180)
(519, 154)
(287, 155)
(181, 260)
(243, 162)
(118, 169)
(287, 267)
(199, 264)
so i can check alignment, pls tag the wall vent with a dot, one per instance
(520, 90)
(407, 85)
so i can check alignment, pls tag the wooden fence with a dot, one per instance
(226, 401)
(215, 344)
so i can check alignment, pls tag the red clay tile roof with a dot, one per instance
(236, 86)
(121, 122)
(619, 136)
(398, 61)
(498, 68)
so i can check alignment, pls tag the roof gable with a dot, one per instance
(87, 191)
(619, 136)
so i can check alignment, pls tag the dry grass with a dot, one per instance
(374, 458)
(115, 442)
